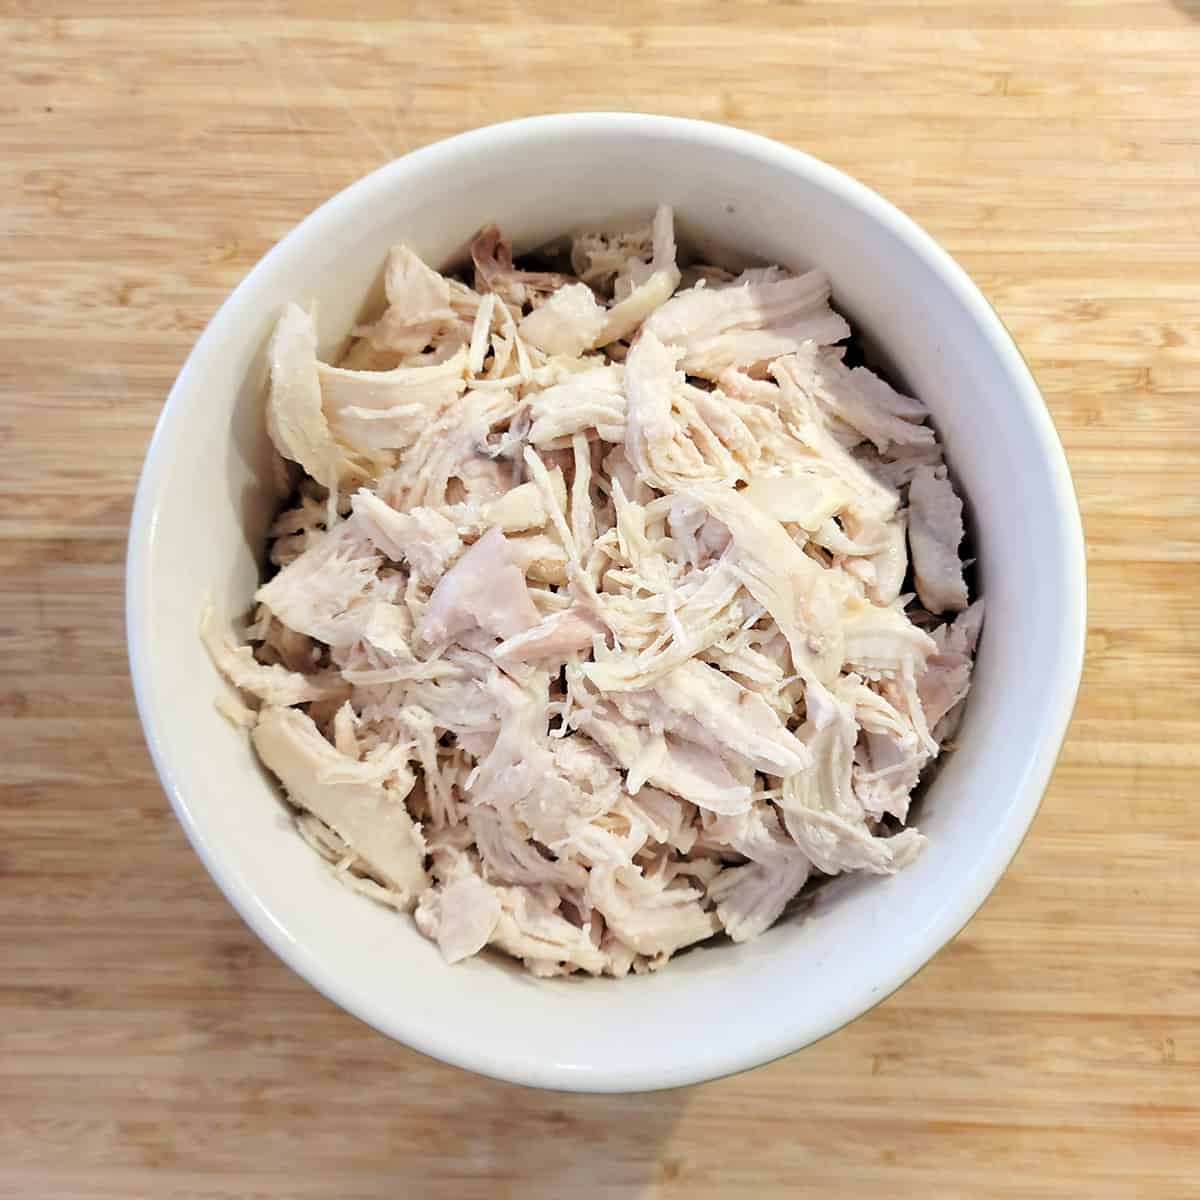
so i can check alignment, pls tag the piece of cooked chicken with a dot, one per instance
(935, 529)
(362, 802)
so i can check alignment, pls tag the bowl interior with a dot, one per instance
(207, 496)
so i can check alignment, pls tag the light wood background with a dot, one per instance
(149, 154)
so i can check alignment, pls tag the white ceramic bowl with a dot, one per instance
(204, 502)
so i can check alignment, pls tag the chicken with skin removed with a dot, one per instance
(587, 636)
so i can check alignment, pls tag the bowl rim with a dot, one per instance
(1064, 677)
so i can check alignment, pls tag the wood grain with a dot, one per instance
(149, 1046)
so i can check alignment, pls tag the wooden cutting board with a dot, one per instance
(149, 1045)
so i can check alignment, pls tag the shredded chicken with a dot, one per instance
(591, 630)
(935, 529)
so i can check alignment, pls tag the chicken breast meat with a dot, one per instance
(592, 629)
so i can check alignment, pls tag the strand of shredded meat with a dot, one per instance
(592, 632)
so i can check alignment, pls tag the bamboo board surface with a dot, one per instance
(149, 1045)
